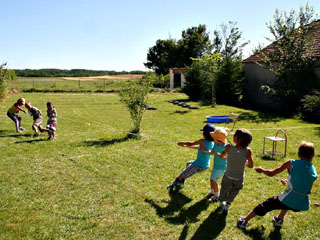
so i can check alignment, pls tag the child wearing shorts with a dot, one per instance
(202, 161)
(219, 164)
(37, 118)
(302, 175)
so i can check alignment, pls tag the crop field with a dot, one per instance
(108, 83)
(97, 182)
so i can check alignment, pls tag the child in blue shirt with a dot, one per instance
(302, 174)
(219, 164)
(203, 159)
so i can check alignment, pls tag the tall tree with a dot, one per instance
(290, 56)
(194, 43)
(162, 56)
(229, 83)
(228, 41)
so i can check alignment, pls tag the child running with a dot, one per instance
(239, 156)
(302, 174)
(203, 159)
(219, 164)
(13, 114)
(52, 121)
(37, 119)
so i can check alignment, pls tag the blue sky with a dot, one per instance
(116, 35)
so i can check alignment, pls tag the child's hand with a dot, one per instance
(284, 181)
(259, 169)
(182, 144)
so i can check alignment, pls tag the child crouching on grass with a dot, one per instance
(13, 114)
(203, 159)
(239, 156)
(302, 174)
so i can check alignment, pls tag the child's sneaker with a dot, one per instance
(242, 224)
(209, 195)
(221, 206)
(277, 222)
(36, 134)
(21, 129)
(214, 198)
(225, 209)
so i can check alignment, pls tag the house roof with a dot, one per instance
(257, 57)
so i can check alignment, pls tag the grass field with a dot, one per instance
(108, 83)
(95, 182)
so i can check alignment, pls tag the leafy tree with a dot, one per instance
(200, 79)
(162, 56)
(230, 79)
(195, 43)
(169, 53)
(230, 82)
(134, 96)
(3, 76)
(228, 42)
(290, 57)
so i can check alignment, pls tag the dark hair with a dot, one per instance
(306, 150)
(207, 136)
(244, 136)
(49, 103)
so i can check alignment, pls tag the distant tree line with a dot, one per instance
(53, 72)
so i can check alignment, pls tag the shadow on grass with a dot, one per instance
(180, 112)
(31, 141)
(190, 214)
(17, 135)
(260, 117)
(211, 227)
(257, 233)
(317, 129)
(107, 142)
(177, 201)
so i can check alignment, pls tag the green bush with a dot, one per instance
(3, 85)
(229, 82)
(198, 83)
(310, 107)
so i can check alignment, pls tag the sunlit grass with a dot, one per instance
(96, 182)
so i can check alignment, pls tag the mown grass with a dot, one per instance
(96, 182)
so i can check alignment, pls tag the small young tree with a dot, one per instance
(3, 75)
(290, 56)
(134, 96)
(200, 79)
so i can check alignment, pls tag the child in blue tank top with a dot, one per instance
(219, 164)
(302, 174)
(202, 161)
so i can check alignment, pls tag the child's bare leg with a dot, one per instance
(214, 186)
(249, 216)
(282, 214)
(53, 135)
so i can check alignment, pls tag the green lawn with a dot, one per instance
(95, 182)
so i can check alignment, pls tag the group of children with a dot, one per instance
(230, 161)
(37, 118)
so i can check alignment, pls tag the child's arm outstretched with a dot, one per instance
(249, 162)
(20, 109)
(271, 173)
(193, 145)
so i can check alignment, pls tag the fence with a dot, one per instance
(61, 85)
